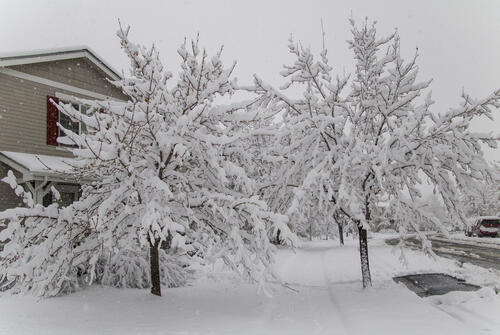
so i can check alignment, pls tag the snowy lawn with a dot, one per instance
(326, 299)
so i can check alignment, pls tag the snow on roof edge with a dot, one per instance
(36, 163)
(47, 51)
(55, 51)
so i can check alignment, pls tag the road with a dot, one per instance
(486, 255)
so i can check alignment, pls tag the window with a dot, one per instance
(56, 136)
(70, 124)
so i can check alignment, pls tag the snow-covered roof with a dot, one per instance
(34, 166)
(47, 55)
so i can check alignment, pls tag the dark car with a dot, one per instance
(484, 226)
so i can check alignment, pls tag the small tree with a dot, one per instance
(370, 149)
(167, 177)
(396, 143)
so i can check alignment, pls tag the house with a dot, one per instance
(28, 120)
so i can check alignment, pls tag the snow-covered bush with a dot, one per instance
(46, 247)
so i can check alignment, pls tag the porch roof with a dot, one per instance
(39, 167)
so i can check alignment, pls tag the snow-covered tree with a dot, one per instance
(305, 141)
(485, 201)
(396, 142)
(167, 180)
(369, 149)
(435, 207)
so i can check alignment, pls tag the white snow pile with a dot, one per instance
(478, 310)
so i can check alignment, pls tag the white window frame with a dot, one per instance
(66, 98)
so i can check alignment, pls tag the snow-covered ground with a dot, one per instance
(325, 297)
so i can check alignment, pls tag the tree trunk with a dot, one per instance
(340, 225)
(155, 268)
(310, 231)
(278, 237)
(363, 252)
(341, 232)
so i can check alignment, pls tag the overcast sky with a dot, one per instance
(458, 40)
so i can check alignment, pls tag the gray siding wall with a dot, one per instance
(23, 104)
(8, 199)
(79, 72)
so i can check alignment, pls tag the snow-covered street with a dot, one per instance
(325, 297)
(475, 250)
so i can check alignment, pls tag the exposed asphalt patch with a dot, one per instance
(428, 284)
